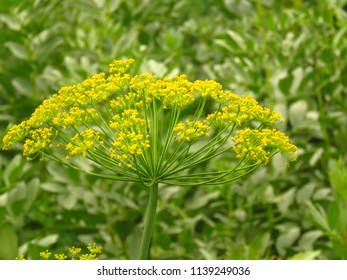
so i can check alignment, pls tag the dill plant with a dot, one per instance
(140, 128)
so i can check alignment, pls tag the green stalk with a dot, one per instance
(149, 222)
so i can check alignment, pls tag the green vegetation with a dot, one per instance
(289, 55)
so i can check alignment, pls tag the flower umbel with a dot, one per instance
(144, 129)
(259, 145)
(45, 255)
(140, 128)
(192, 130)
(93, 249)
(60, 257)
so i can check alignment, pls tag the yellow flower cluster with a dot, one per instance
(120, 66)
(143, 89)
(60, 257)
(74, 251)
(117, 83)
(41, 138)
(74, 117)
(44, 113)
(223, 96)
(131, 137)
(140, 95)
(207, 88)
(82, 142)
(97, 89)
(92, 255)
(88, 257)
(15, 134)
(45, 254)
(176, 91)
(241, 109)
(266, 116)
(91, 89)
(93, 249)
(192, 130)
(258, 146)
(213, 89)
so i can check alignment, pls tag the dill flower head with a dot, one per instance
(45, 254)
(74, 251)
(144, 129)
(59, 257)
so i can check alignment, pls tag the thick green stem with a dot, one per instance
(149, 221)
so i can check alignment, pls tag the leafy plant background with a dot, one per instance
(290, 55)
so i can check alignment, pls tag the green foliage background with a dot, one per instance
(290, 55)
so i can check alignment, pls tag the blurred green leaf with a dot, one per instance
(316, 156)
(297, 113)
(337, 217)
(9, 242)
(285, 200)
(338, 178)
(171, 39)
(318, 216)
(47, 240)
(53, 187)
(200, 200)
(304, 194)
(13, 169)
(307, 240)
(287, 238)
(32, 190)
(285, 83)
(10, 21)
(133, 243)
(310, 255)
(237, 39)
(22, 86)
(16, 49)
